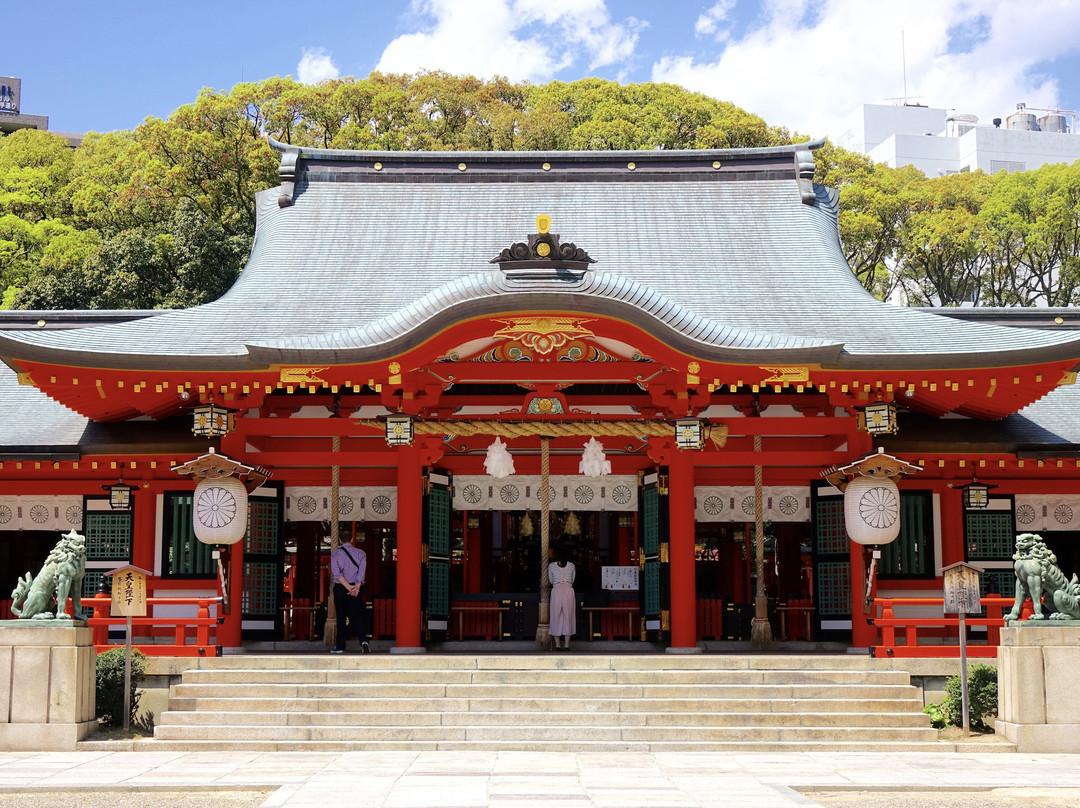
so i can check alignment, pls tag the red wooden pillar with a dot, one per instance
(409, 549)
(144, 527)
(952, 526)
(681, 537)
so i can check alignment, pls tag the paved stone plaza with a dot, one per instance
(459, 779)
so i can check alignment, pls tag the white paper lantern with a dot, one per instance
(220, 515)
(872, 510)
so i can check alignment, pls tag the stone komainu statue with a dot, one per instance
(1037, 572)
(45, 597)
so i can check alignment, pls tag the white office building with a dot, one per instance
(939, 141)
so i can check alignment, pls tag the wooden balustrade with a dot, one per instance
(157, 629)
(900, 635)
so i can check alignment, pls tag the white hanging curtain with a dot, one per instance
(1044, 512)
(41, 512)
(368, 503)
(569, 492)
(735, 503)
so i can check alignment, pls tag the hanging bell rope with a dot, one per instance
(552, 429)
(330, 627)
(543, 634)
(760, 628)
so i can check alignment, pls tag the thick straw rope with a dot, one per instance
(553, 429)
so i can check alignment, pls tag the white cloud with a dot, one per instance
(315, 66)
(708, 23)
(809, 66)
(520, 39)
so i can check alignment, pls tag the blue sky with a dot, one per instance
(806, 64)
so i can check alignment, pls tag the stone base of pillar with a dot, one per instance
(693, 650)
(1038, 709)
(398, 649)
(48, 684)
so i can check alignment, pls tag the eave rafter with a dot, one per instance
(546, 352)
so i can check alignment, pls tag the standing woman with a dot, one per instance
(563, 608)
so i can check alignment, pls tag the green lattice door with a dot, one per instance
(653, 543)
(437, 548)
(989, 542)
(263, 567)
(832, 569)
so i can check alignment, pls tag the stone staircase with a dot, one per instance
(568, 702)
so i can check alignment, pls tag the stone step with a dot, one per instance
(580, 706)
(548, 690)
(743, 746)
(537, 718)
(560, 677)
(545, 702)
(571, 732)
(572, 661)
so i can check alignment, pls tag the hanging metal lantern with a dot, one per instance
(689, 433)
(399, 430)
(976, 494)
(879, 418)
(872, 510)
(220, 512)
(119, 495)
(212, 421)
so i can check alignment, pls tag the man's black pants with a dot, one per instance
(351, 616)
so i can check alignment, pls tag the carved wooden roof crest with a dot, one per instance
(543, 250)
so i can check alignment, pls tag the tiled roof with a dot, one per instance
(738, 262)
(35, 426)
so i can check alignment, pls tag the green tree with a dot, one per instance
(189, 260)
(1032, 220)
(875, 203)
(34, 168)
(941, 258)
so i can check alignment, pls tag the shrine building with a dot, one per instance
(400, 312)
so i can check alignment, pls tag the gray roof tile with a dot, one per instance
(726, 265)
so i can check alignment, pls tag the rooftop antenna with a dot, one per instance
(903, 62)
(905, 100)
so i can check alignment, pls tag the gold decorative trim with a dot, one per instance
(544, 334)
(301, 375)
(786, 375)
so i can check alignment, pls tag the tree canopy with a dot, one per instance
(163, 215)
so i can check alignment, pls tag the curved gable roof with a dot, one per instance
(727, 251)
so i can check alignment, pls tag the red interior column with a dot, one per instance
(144, 503)
(681, 521)
(409, 554)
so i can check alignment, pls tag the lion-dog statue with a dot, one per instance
(44, 597)
(1037, 572)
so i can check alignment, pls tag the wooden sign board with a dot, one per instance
(128, 592)
(962, 588)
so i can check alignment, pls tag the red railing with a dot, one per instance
(479, 619)
(939, 635)
(155, 630)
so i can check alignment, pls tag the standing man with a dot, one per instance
(348, 566)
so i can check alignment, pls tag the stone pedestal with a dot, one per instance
(47, 685)
(1038, 702)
